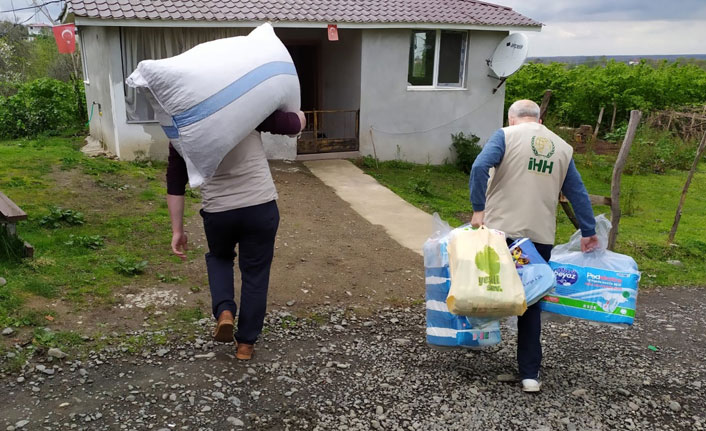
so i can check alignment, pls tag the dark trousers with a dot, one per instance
(253, 229)
(529, 329)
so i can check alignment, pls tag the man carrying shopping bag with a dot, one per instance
(531, 166)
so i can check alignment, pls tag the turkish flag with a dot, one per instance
(332, 32)
(65, 36)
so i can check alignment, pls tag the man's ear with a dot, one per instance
(540, 121)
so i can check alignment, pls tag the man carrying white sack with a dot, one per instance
(532, 165)
(238, 208)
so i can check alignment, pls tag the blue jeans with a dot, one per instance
(253, 229)
(529, 329)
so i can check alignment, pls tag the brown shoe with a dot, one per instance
(224, 327)
(244, 351)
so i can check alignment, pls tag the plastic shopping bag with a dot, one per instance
(484, 282)
(599, 286)
(536, 274)
(443, 328)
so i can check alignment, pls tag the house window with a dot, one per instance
(437, 59)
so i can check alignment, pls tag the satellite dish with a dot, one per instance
(509, 55)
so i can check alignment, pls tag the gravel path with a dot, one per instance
(376, 373)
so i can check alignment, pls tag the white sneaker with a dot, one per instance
(531, 385)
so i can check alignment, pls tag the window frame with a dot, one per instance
(437, 52)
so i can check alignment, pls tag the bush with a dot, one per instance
(580, 91)
(656, 151)
(467, 149)
(41, 106)
(130, 267)
(59, 216)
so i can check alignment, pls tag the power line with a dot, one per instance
(31, 7)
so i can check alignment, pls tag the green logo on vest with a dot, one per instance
(540, 166)
(488, 261)
(542, 147)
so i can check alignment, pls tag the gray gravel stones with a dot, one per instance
(311, 376)
(235, 421)
(8, 331)
(56, 353)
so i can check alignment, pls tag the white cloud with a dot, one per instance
(618, 38)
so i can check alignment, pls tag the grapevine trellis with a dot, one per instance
(687, 123)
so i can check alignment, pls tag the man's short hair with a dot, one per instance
(523, 108)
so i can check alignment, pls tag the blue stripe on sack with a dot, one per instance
(232, 92)
(442, 272)
(171, 132)
(437, 292)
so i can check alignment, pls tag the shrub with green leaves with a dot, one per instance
(467, 149)
(93, 242)
(58, 216)
(40, 106)
(579, 92)
(655, 151)
(130, 267)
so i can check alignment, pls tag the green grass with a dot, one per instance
(648, 203)
(122, 205)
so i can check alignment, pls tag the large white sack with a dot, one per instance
(212, 96)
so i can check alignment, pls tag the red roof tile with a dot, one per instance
(465, 12)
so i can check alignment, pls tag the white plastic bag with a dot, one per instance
(212, 96)
(600, 285)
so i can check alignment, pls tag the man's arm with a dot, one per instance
(575, 191)
(283, 123)
(177, 177)
(490, 157)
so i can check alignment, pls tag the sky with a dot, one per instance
(614, 27)
(27, 15)
(577, 27)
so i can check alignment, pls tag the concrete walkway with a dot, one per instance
(404, 222)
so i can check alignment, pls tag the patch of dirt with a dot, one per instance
(326, 254)
(598, 147)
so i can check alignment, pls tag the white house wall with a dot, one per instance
(105, 86)
(94, 41)
(416, 125)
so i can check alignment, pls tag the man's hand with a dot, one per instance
(179, 245)
(477, 219)
(589, 243)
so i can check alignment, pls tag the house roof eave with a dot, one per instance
(99, 22)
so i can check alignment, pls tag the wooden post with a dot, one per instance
(669, 123)
(677, 216)
(612, 122)
(635, 116)
(598, 124)
(568, 210)
(545, 104)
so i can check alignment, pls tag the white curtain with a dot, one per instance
(143, 43)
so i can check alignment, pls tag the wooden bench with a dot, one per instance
(10, 214)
